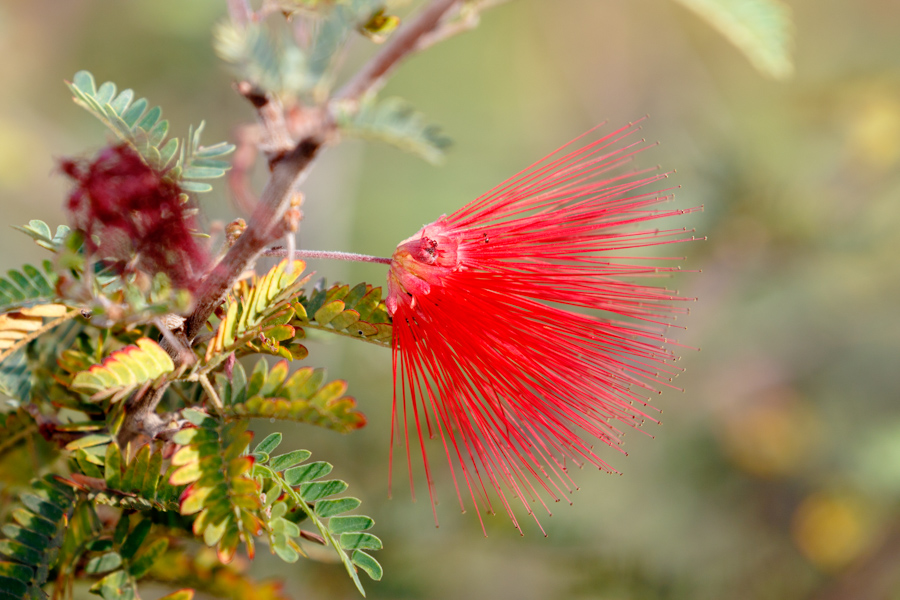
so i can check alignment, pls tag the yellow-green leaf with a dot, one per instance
(124, 369)
(761, 29)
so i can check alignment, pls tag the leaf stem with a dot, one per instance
(327, 254)
(310, 511)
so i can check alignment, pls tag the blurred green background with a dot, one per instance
(777, 472)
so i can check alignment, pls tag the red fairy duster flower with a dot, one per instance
(488, 354)
(131, 212)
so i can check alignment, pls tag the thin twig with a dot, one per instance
(466, 22)
(326, 254)
(400, 45)
(213, 396)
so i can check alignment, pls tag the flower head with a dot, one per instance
(489, 354)
(131, 212)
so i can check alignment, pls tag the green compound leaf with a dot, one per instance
(32, 544)
(761, 29)
(146, 132)
(124, 370)
(138, 484)
(128, 556)
(395, 122)
(302, 397)
(302, 489)
(223, 497)
(256, 310)
(357, 312)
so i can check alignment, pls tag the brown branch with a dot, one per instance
(400, 45)
(265, 224)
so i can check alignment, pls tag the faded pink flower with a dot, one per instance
(488, 354)
(133, 214)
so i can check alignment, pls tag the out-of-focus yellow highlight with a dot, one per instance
(771, 439)
(831, 530)
(874, 131)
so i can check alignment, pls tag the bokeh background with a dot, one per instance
(776, 473)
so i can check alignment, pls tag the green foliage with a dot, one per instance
(14, 428)
(304, 490)
(83, 530)
(40, 233)
(213, 463)
(199, 570)
(124, 370)
(761, 29)
(15, 376)
(260, 310)
(123, 560)
(303, 397)
(32, 543)
(34, 365)
(146, 132)
(27, 287)
(269, 57)
(396, 122)
(137, 484)
(357, 312)
(264, 56)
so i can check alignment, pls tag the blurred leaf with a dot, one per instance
(15, 376)
(146, 132)
(396, 122)
(40, 233)
(115, 586)
(27, 287)
(31, 547)
(761, 29)
(263, 56)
